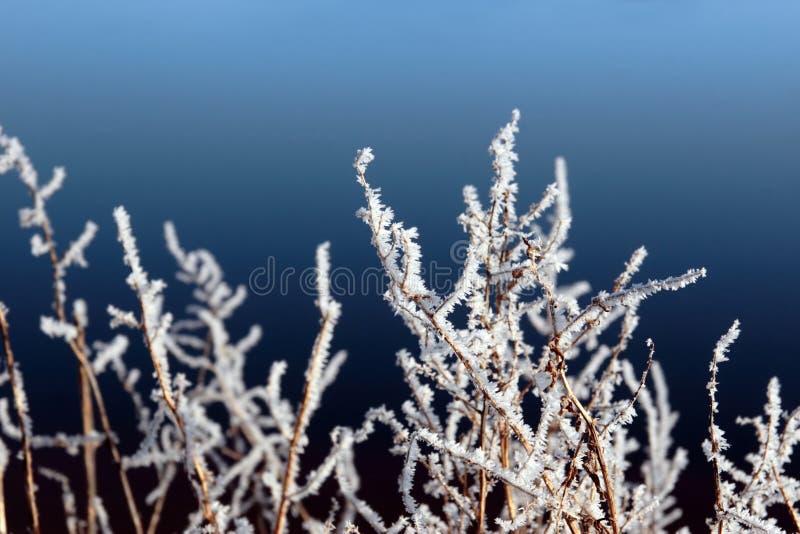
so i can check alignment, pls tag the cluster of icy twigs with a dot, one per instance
(502, 431)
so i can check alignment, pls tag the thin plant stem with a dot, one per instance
(483, 488)
(288, 477)
(158, 507)
(202, 477)
(3, 525)
(786, 500)
(87, 377)
(19, 405)
(89, 448)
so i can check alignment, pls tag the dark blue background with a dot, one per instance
(239, 121)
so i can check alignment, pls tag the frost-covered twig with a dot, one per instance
(24, 421)
(506, 428)
(718, 443)
(67, 498)
(329, 311)
(72, 331)
(153, 326)
(3, 465)
(572, 465)
(743, 500)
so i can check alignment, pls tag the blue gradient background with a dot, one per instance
(239, 121)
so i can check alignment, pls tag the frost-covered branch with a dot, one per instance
(567, 468)
(24, 421)
(72, 331)
(522, 390)
(743, 500)
(329, 310)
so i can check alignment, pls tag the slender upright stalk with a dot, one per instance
(484, 490)
(317, 354)
(87, 409)
(786, 499)
(3, 525)
(506, 463)
(202, 477)
(158, 507)
(719, 356)
(598, 447)
(89, 449)
(106, 425)
(20, 406)
(89, 389)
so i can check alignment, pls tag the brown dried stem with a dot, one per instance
(787, 501)
(3, 525)
(715, 449)
(19, 405)
(204, 496)
(89, 389)
(288, 477)
(484, 487)
(594, 439)
(89, 446)
(158, 507)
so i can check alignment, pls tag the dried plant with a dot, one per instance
(519, 412)
(566, 467)
(744, 500)
(25, 428)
